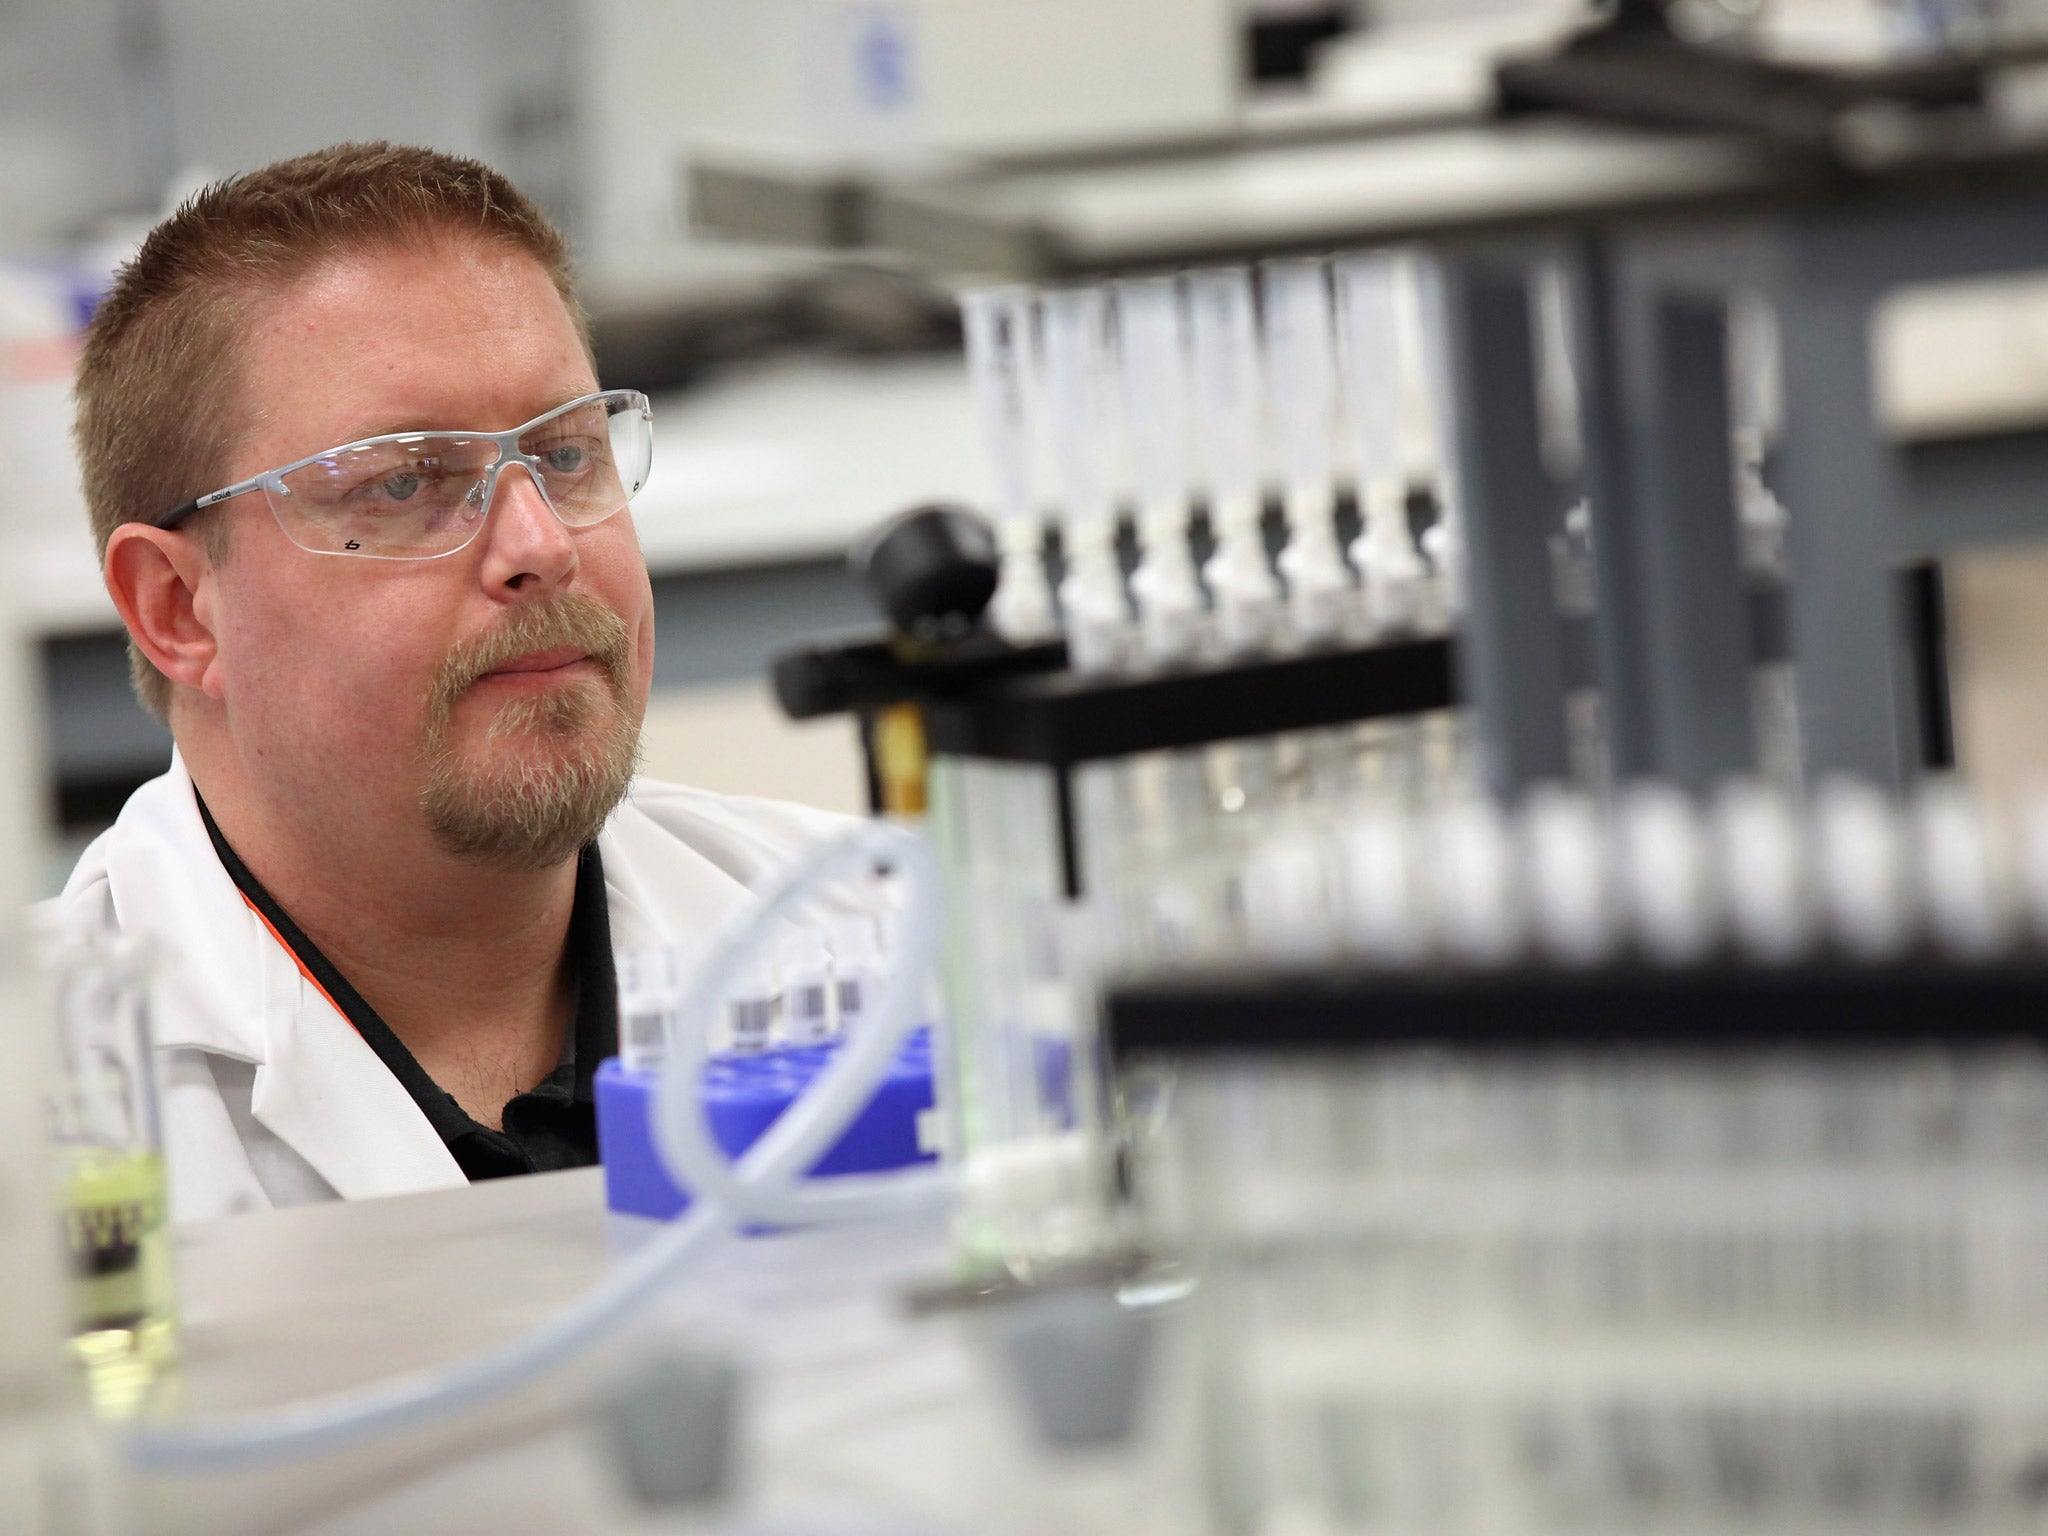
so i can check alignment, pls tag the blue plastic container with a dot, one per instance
(743, 1096)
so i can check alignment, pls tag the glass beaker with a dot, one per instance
(107, 1141)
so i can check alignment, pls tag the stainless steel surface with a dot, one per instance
(858, 1416)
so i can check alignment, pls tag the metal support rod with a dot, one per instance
(1689, 543)
(1622, 618)
(1851, 667)
(1510, 652)
(1069, 828)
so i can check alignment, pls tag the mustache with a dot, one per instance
(570, 620)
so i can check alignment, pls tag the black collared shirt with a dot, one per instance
(551, 1125)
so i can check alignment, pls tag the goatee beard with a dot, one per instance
(545, 805)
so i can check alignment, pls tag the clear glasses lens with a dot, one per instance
(426, 494)
(592, 459)
(408, 499)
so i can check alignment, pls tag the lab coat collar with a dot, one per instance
(229, 987)
(664, 901)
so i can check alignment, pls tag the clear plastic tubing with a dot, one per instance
(1152, 337)
(1301, 378)
(1227, 404)
(1389, 564)
(1077, 368)
(999, 362)
(766, 1184)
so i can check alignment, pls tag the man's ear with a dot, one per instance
(161, 580)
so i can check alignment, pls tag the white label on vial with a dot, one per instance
(850, 1002)
(808, 1017)
(645, 1039)
(752, 1019)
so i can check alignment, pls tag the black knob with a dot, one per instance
(931, 570)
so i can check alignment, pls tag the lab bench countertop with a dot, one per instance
(855, 1417)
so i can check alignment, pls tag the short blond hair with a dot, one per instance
(159, 380)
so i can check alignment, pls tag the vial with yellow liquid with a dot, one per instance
(108, 1144)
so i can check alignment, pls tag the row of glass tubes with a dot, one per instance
(1850, 871)
(1160, 391)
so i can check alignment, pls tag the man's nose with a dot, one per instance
(527, 548)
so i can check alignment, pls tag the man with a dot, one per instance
(361, 506)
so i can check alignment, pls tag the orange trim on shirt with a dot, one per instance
(312, 980)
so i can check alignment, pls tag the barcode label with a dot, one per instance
(643, 1039)
(753, 1018)
(807, 1014)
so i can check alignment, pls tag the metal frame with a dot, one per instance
(1511, 651)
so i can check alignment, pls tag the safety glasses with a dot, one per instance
(421, 495)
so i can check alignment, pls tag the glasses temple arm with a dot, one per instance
(183, 510)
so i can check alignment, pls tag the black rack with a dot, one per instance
(982, 697)
(1063, 718)
(1825, 1004)
(1060, 720)
(986, 698)
(872, 670)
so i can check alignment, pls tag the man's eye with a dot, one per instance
(566, 458)
(400, 487)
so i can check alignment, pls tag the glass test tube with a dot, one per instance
(1077, 376)
(1023, 1100)
(1228, 413)
(1301, 376)
(1389, 564)
(999, 361)
(1421, 313)
(1152, 337)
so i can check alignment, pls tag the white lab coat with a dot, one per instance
(270, 1097)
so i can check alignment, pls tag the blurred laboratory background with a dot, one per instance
(800, 396)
